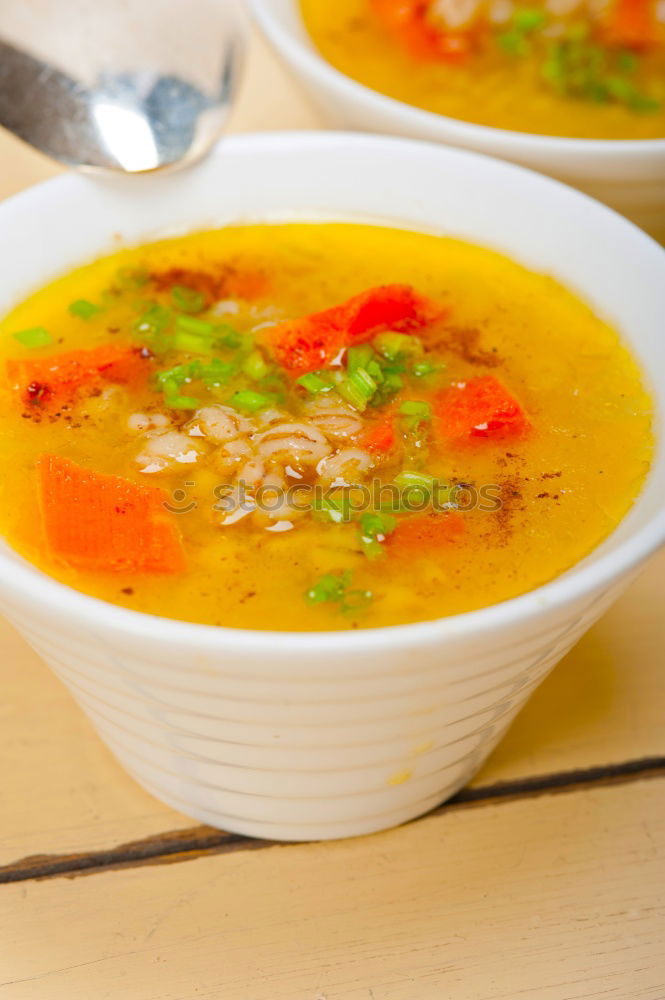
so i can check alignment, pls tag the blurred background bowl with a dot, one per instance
(627, 174)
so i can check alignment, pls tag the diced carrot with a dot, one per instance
(47, 383)
(303, 345)
(312, 342)
(381, 438)
(106, 523)
(632, 23)
(426, 532)
(481, 407)
(388, 307)
(406, 21)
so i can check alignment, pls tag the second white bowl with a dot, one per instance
(628, 175)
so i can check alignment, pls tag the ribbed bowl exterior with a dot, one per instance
(291, 748)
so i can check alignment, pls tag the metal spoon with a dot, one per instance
(119, 85)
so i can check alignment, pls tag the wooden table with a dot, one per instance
(543, 881)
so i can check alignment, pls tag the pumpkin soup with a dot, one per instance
(580, 68)
(313, 426)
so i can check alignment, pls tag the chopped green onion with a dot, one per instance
(371, 547)
(216, 373)
(528, 19)
(255, 366)
(374, 528)
(415, 412)
(231, 338)
(314, 383)
(374, 524)
(190, 324)
(391, 384)
(405, 480)
(182, 402)
(358, 357)
(191, 343)
(394, 346)
(334, 588)
(250, 401)
(328, 588)
(416, 408)
(187, 300)
(579, 68)
(423, 368)
(84, 309)
(329, 509)
(36, 336)
(154, 320)
(376, 371)
(193, 335)
(171, 388)
(358, 388)
(213, 375)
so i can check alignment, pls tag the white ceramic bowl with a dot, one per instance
(299, 736)
(628, 175)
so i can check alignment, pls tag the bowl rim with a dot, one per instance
(19, 577)
(525, 143)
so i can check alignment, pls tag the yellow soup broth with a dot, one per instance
(528, 72)
(513, 419)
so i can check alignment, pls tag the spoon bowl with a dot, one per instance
(123, 87)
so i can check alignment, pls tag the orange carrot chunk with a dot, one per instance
(381, 438)
(106, 523)
(426, 532)
(481, 407)
(407, 22)
(312, 342)
(632, 23)
(47, 383)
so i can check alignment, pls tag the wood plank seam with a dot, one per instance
(195, 842)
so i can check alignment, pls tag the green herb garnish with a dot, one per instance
(359, 357)
(415, 412)
(212, 375)
(397, 346)
(579, 68)
(255, 366)
(249, 401)
(422, 369)
(335, 589)
(529, 19)
(84, 309)
(315, 382)
(152, 326)
(515, 40)
(358, 388)
(374, 529)
(328, 508)
(36, 336)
